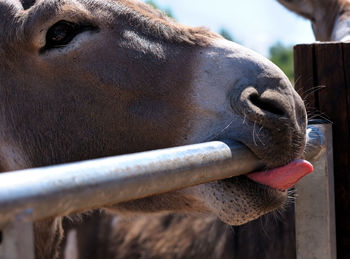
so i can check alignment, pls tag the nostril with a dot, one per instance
(268, 105)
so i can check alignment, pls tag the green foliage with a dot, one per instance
(223, 31)
(282, 56)
(226, 34)
(167, 11)
(152, 3)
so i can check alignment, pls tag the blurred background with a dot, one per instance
(262, 25)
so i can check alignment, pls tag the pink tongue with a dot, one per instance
(285, 177)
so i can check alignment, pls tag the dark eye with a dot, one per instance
(62, 33)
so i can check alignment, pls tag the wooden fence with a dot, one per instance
(322, 78)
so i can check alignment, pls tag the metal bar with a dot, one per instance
(314, 208)
(65, 189)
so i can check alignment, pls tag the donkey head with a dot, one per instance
(85, 79)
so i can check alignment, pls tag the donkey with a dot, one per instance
(330, 18)
(86, 79)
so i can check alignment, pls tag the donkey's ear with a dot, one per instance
(301, 7)
(16, 4)
(9, 7)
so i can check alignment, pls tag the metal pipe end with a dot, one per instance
(315, 143)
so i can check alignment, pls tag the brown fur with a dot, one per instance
(138, 81)
(322, 14)
(47, 237)
(182, 236)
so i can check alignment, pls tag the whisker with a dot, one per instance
(259, 136)
(254, 140)
(313, 90)
(299, 90)
(220, 132)
(297, 80)
(262, 224)
(227, 126)
(244, 118)
(320, 115)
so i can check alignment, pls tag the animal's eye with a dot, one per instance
(62, 33)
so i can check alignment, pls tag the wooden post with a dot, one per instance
(322, 78)
(18, 238)
(314, 207)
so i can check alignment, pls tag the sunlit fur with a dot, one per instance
(136, 80)
(325, 16)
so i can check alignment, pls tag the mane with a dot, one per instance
(156, 24)
(141, 17)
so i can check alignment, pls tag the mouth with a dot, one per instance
(280, 176)
(285, 177)
(283, 166)
(243, 198)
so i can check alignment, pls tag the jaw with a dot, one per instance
(238, 200)
(234, 201)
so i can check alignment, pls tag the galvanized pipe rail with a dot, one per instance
(65, 189)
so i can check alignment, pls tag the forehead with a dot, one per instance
(21, 13)
(17, 23)
(12, 8)
(18, 18)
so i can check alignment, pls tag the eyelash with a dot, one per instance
(69, 31)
